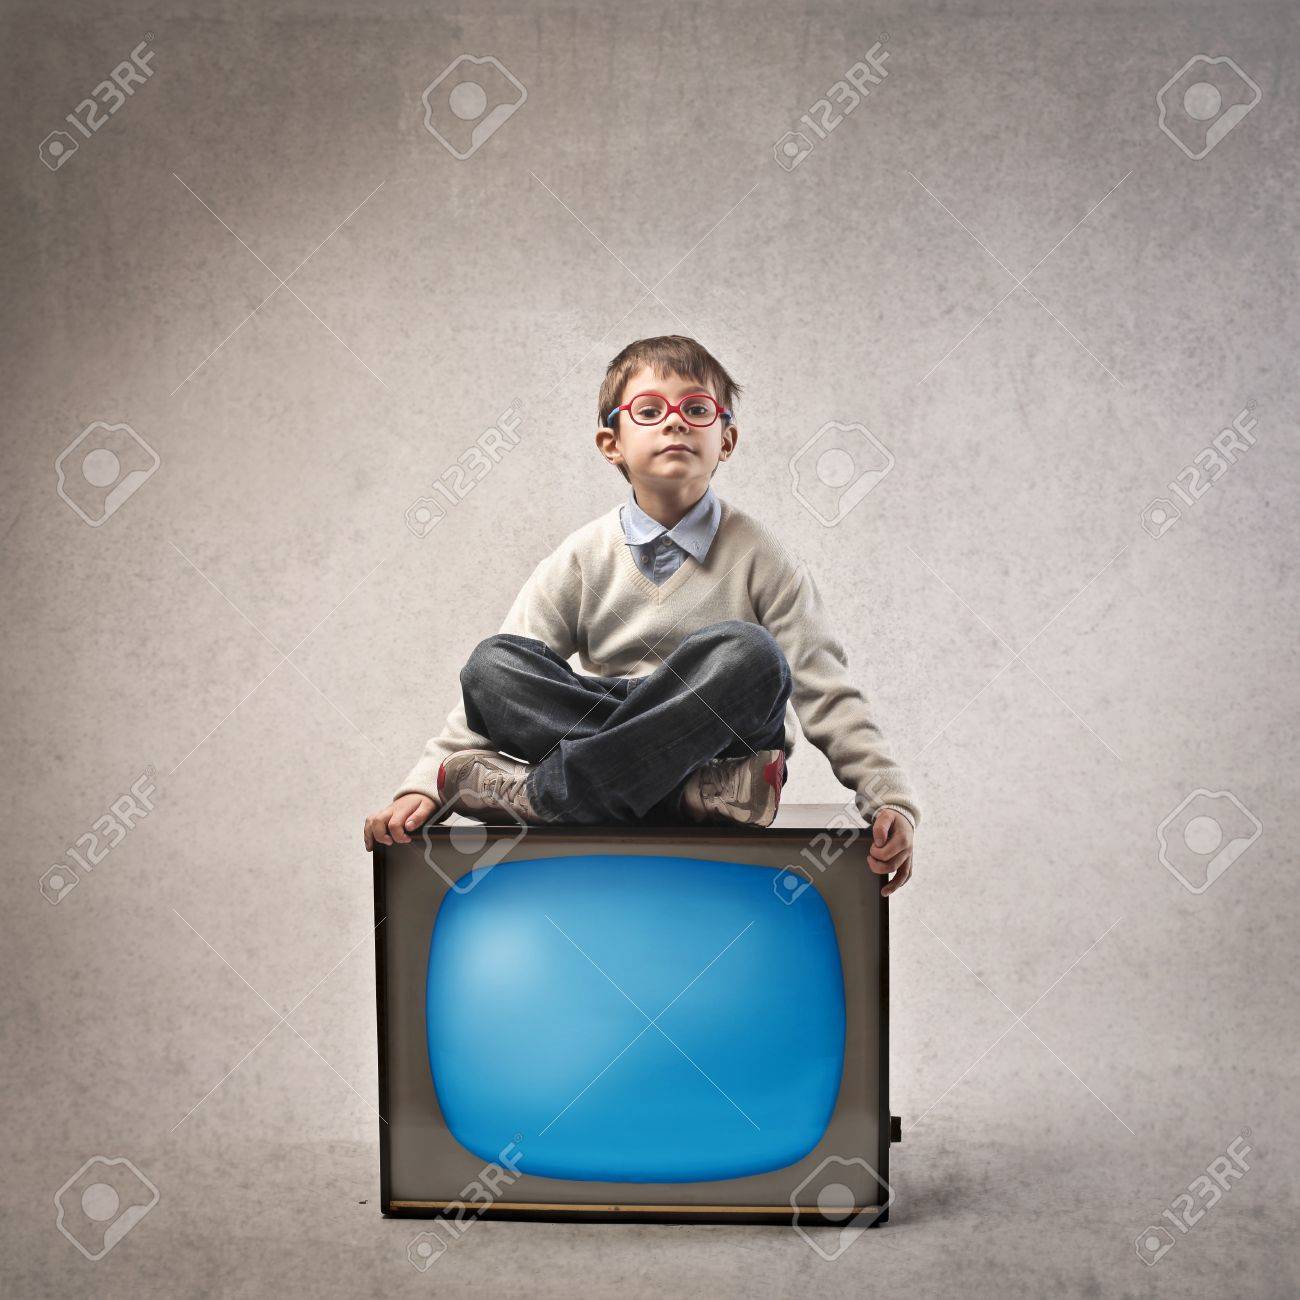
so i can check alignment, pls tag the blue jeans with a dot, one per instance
(619, 749)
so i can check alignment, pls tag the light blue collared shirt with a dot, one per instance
(658, 551)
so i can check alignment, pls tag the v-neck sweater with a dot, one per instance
(589, 598)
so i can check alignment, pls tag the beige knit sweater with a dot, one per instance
(588, 597)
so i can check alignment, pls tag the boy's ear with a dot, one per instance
(606, 442)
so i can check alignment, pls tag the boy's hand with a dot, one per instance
(891, 848)
(402, 816)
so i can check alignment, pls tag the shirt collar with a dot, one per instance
(693, 532)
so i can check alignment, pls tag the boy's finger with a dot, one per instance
(420, 815)
(888, 851)
(365, 832)
(396, 830)
(379, 830)
(880, 827)
(903, 875)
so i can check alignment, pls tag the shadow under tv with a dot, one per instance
(670, 1024)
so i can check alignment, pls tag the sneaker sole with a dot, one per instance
(761, 801)
(773, 780)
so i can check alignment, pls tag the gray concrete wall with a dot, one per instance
(306, 308)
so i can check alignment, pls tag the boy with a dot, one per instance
(705, 636)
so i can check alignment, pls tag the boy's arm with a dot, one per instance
(541, 610)
(832, 709)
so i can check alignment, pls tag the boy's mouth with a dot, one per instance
(674, 446)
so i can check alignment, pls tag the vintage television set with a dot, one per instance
(650, 1023)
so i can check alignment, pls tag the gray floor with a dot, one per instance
(1034, 1153)
(259, 636)
(978, 1218)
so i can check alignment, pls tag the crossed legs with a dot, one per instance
(619, 749)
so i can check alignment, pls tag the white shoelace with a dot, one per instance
(503, 787)
(714, 781)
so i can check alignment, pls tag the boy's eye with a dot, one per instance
(697, 408)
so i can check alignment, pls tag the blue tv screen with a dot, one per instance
(635, 1018)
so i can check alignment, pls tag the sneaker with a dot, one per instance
(744, 790)
(491, 787)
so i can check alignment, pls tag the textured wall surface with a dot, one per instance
(282, 303)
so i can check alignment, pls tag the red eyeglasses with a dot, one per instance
(699, 410)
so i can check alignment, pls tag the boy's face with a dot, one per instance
(671, 450)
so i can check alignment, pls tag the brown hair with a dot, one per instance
(666, 354)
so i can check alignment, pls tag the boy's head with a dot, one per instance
(637, 441)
